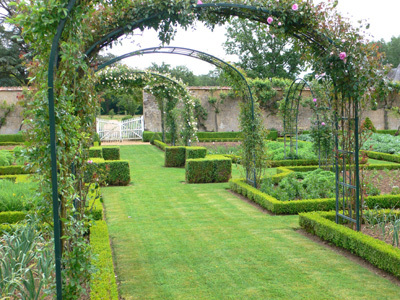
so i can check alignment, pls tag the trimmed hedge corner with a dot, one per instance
(11, 217)
(195, 152)
(160, 145)
(377, 252)
(111, 153)
(95, 152)
(175, 156)
(116, 172)
(209, 169)
(102, 284)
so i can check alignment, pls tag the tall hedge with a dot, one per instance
(208, 169)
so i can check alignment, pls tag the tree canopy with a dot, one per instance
(392, 51)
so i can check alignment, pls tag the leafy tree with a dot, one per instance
(178, 72)
(13, 50)
(262, 54)
(392, 50)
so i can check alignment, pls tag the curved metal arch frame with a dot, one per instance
(110, 37)
(297, 85)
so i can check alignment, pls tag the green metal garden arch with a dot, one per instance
(222, 10)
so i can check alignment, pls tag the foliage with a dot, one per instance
(392, 50)
(313, 185)
(6, 158)
(16, 196)
(216, 103)
(111, 153)
(12, 217)
(384, 143)
(261, 53)
(200, 113)
(195, 152)
(276, 151)
(24, 257)
(155, 137)
(5, 109)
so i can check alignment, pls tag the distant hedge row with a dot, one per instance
(9, 138)
(108, 153)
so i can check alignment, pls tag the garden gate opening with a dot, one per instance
(114, 130)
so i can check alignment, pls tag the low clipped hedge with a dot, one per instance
(387, 131)
(220, 140)
(115, 172)
(11, 143)
(208, 170)
(175, 156)
(95, 152)
(111, 153)
(17, 178)
(297, 206)
(382, 156)
(13, 170)
(292, 162)
(380, 254)
(195, 152)
(7, 138)
(12, 217)
(219, 135)
(102, 284)
(160, 145)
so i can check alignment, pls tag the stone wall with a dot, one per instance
(228, 117)
(14, 119)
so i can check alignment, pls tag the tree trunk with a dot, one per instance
(216, 122)
(385, 119)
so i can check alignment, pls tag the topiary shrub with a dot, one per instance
(196, 152)
(95, 152)
(11, 217)
(175, 156)
(111, 153)
(199, 170)
(367, 124)
(155, 137)
(96, 139)
(222, 169)
(117, 172)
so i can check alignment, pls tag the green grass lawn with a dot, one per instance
(173, 240)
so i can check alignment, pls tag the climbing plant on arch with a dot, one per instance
(167, 91)
(77, 30)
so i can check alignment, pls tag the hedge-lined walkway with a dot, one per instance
(173, 240)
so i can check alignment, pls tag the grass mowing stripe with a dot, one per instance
(180, 241)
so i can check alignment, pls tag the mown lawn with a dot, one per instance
(173, 240)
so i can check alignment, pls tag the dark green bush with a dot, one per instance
(175, 156)
(118, 172)
(196, 152)
(272, 135)
(214, 168)
(380, 254)
(19, 138)
(111, 153)
(387, 131)
(103, 284)
(95, 152)
(155, 137)
(369, 125)
(199, 170)
(12, 170)
(11, 217)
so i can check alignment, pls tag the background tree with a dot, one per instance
(178, 72)
(14, 52)
(261, 54)
(392, 51)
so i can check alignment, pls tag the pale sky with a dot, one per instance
(383, 16)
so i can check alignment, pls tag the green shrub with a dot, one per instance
(111, 153)
(17, 178)
(19, 138)
(102, 284)
(272, 135)
(6, 158)
(16, 196)
(147, 136)
(377, 252)
(12, 170)
(199, 170)
(196, 152)
(219, 135)
(118, 172)
(369, 125)
(387, 131)
(175, 156)
(160, 145)
(214, 168)
(382, 156)
(96, 139)
(11, 217)
(95, 152)
(155, 137)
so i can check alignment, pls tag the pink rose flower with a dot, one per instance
(269, 20)
(342, 55)
(323, 123)
(295, 7)
(315, 100)
(279, 24)
(90, 161)
(199, 2)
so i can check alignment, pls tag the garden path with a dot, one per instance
(173, 240)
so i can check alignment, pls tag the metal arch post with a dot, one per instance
(52, 124)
